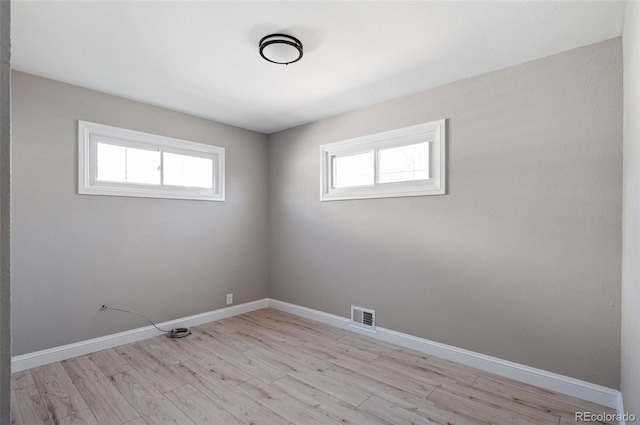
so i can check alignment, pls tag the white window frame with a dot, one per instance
(90, 134)
(433, 132)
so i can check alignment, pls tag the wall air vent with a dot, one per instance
(363, 318)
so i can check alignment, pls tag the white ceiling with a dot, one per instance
(201, 57)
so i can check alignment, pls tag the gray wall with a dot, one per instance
(5, 212)
(520, 260)
(630, 367)
(163, 257)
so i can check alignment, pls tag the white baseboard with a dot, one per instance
(620, 409)
(56, 354)
(538, 377)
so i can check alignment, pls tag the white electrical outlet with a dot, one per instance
(229, 298)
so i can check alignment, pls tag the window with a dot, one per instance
(405, 162)
(118, 162)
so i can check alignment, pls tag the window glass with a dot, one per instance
(127, 165)
(188, 171)
(404, 163)
(112, 163)
(353, 170)
(143, 166)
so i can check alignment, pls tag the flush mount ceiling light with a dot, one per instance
(281, 48)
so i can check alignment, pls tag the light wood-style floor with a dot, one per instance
(270, 367)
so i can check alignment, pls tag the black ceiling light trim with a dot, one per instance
(281, 56)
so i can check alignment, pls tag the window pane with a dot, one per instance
(353, 170)
(112, 162)
(404, 163)
(127, 165)
(143, 166)
(187, 171)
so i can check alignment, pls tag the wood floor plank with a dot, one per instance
(235, 402)
(313, 325)
(334, 352)
(557, 404)
(365, 343)
(232, 341)
(428, 374)
(110, 362)
(235, 332)
(105, 401)
(315, 378)
(295, 353)
(137, 421)
(253, 338)
(163, 352)
(150, 367)
(284, 363)
(486, 413)
(273, 368)
(373, 386)
(404, 399)
(458, 372)
(15, 412)
(201, 409)
(533, 415)
(21, 379)
(60, 396)
(303, 358)
(27, 406)
(333, 407)
(432, 413)
(337, 388)
(246, 324)
(214, 364)
(392, 412)
(227, 326)
(511, 384)
(240, 360)
(400, 381)
(455, 368)
(283, 404)
(86, 417)
(154, 407)
(296, 328)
